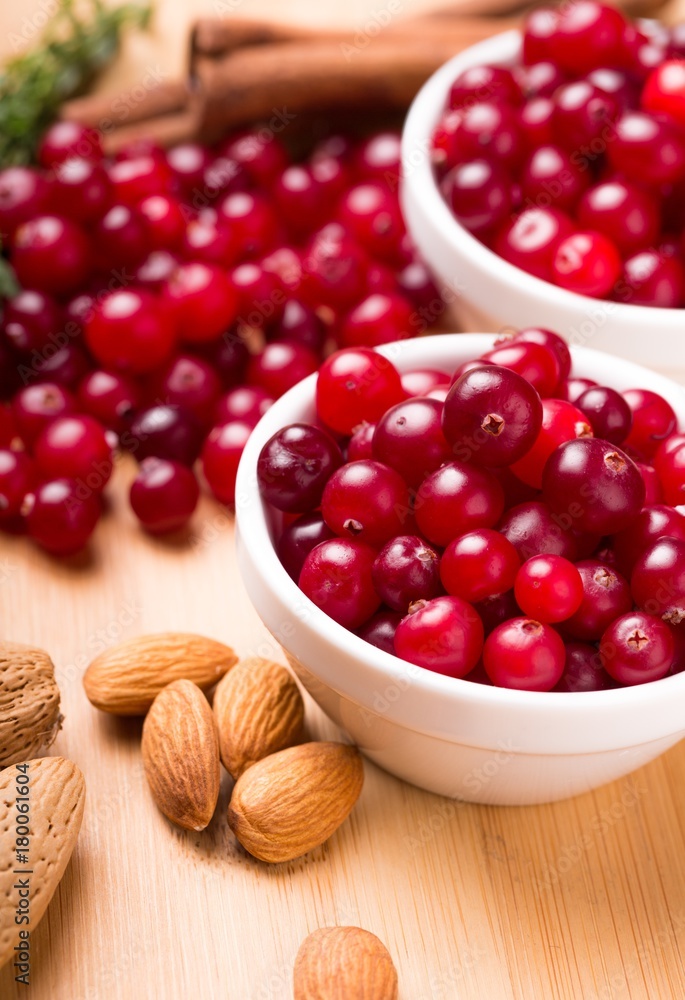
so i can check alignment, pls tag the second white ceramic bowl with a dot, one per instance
(495, 293)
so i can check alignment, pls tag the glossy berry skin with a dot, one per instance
(497, 609)
(478, 565)
(66, 366)
(405, 570)
(409, 439)
(653, 420)
(652, 523)
(295, 465)
(17, 475)
(546, 338)
(109, 397)
(530, 240)
(228, 357)
(335, 268)
(491, 416)
(131, 331)
(163, 431)
(658, 580)
(82, 190)
(637, 648)
(669, 462)
(550, 168)
(582, 114)
(300, 324)
(594, 484)
(586, 263)
(360, 444)
(583, 670)
(533, 530)
(202, 301)
(121, 238)
(664, 91)
(457, 498)
(587, 35)
(246, 404)
(75, 447)
(536, 363)
(30, 318)
(64, 140)
(423, 380)
(524, 654)
(24, 193)
(280, 366)
(489, 130)
(572, 388)
(61, 517)
(36, 406)
(548, 588)
(52, 254)
(378, 319)
(624, 212)
(336, 577)
(652, 278)
(355, 385)
(366, 500)
(647, 147)
(298, 539)
(606, 596)
(444, 635)
(498, 82)
(380, 630)
(163, 495)
(220, 457)
(561, 421)
(372, 215)
(607, 412)
(478, 192)
(191, 383)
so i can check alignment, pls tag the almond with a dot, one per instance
(126, 679)
(344, 963)
(292, 801)
(56, 796)
(259, 710)
(181, 755)
(29, 702)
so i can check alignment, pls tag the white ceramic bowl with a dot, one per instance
(497, 293)
(461, 739)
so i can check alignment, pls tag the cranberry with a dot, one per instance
(524, 654)
(295, 465)
(478, 83)
(479, 564)
(536, 363)
(300, 324)
(220, 457)
(228, 356)
(188, 162)
(65, 139)
(406, 569)
(588, 34)
(533, 530)
(607, 412)
(625, 213)
(583, 115)
(36, 406)
(108, 397)
(416, 283)
(653, 421)
(536, 118)
(366, 500)
(280, 366)
(354, 385)
(586, 263)
(652, 278)
(163, 495)
(457, 498)
(478, 193)
(138, 177)
(335, 268)
(121, 238)
(336, 576)
(372, 215)
(637, 648)
(260, 153)
(190, 383)
(202, 301)
(260, 296)
(594, 485)
(205, 240)
(620, 84)
(299, 198)
(378, 157)
(66, 365)
(423, 380)
(245, 404)
(298, 539)
(530, 240)
(669, 462)
(444, 635)
(17, 475)
(250, 221)
(378, 319)
(131, 331)
(380, 630)
(573, 388)
(497, 609)
(409, 439)
(548, 588)
(606, 596)
(24, 194)
(31, 321)
(653, 491)
(331, 176)
(82, 190)
(492, 416)
(583, 670)
(658, 579)
(539, 79)
(62, 516)
(52, 254)
(645, 147)
(75, 447)
(551, 177)
(539, 28)
(561, 421)
(360, 444)
(664, 91)
(165, 221)
(163, 431)
(552, 341)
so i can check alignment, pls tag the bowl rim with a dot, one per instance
(418, 176)
(594, 707)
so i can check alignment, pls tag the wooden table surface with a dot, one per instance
(582, 900)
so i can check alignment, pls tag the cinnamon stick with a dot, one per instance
(106, 111)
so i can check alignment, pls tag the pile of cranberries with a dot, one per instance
(507, 523)
(169, 297)
(571, 165)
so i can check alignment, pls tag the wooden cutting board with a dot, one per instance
(583, 900)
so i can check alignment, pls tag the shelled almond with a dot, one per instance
(344, 963)
(29, 702)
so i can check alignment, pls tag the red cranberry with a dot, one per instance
(587, 34)
(607, 412)
(669, 462)
(298, 198)
(137, 178)
(228, 356)
(65, 139)
(335, 268)
(121, 238)
(457, 498)
(583, 116)
(380, 630)
(336, 576)
(372, 215)
(478, 194)
(131, 331)
(24, 194)
(52, 254)
(298, 539)
(653, 421)
(188, 162)
(190, 383)
(354, 385)
(658, 579)
(539, 79)
(36, 406)
(524, 654)
(416, 283)
(637, 648)
(561, 421)
(586, 263)
(245, 404)
(548, 588)
(652, 278)
(378, 319)
(163, 431)
(497, 609)
(645, 147)
(62, 516)
(406, 569)
(295, 465)
(165, 221)
(478, 565)
(75, 447)
(653, 491)
(652, 523)
(379, 158)
(17, 475)
(366, 500)
(530, 240)
(220, 457)
(65, 365)
(539, 28)
(409, 439)
(536, 363)
(163, 495)
(664, 91)
(421, 381)
(108, 397)
(360, 444)
(260, 297)
(300, 324)
(82, 190)
(444, 635)
(250, 221)
(32, 319)
(606, 596)
(280, 366)
(202, 300)
(625, 213)
(583, 670)
(535, 118)
(573, 388)
(260, 153)
(550, 177)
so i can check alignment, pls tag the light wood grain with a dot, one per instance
(583, 900)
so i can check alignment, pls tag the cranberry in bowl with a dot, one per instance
(543, 188)
(446, 733)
